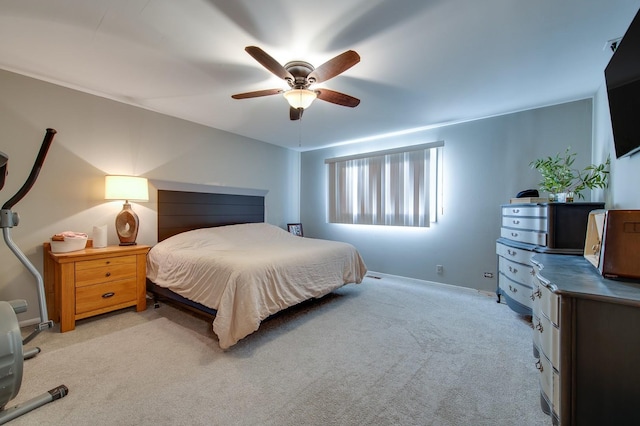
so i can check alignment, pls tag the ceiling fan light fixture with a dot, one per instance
(300, 98)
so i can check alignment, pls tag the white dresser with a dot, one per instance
(530, 228)
(585, 337)
(546, 342)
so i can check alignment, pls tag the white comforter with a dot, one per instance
(250, 271)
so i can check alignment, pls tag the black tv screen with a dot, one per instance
(622, 76)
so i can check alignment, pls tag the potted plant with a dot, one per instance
(562, 181)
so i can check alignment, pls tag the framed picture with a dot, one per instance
(295, 229)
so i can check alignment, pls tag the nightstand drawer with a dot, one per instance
(100, 296)
(116, 270)
(109, 261)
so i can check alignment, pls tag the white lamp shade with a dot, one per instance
(126, 188)
(300, 98)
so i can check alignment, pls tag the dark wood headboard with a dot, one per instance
(180, 211)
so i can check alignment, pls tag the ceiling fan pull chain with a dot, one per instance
(300, 133)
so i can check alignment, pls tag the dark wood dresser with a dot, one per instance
(586, 334)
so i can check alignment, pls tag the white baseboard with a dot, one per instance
(380, 275)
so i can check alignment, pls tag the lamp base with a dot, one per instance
(127, 226)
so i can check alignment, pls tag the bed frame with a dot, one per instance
(181, 211)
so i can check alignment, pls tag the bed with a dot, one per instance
(217, 255)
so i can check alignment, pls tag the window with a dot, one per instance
(397, 187)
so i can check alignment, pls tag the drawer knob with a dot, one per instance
(513, 289)
(516, 222)
(516, 210)
(108, 295)
(539, 326)
(539, 366)
(537, 294)
(512, 252)
(108, 274)
(514, 234)
(108, 262)
(513, 270)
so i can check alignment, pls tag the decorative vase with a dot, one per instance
(569, 197)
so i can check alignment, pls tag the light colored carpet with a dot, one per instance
(387, 352)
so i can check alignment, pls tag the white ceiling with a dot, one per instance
(424, 62)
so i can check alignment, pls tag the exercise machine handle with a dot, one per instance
(35, 170)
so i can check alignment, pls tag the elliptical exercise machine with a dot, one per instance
(12, 354)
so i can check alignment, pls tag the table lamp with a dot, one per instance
(126, 188)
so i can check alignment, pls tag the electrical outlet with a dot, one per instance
(439, 269)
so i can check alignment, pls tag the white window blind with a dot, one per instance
(396, 187)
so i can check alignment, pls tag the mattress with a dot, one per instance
(250, 271)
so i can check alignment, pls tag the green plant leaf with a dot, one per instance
(558, 175)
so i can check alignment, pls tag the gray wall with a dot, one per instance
(625, 172)
(96, 137)
(486, 162)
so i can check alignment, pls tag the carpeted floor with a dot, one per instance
(390, 351)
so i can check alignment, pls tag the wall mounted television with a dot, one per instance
(622, 77)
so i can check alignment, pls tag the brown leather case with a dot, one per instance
(620, 246)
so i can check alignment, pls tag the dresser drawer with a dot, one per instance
(514, 254)
(515, 290)
(529, 237)
(546, 303)
(547, 339)
(527, 223)
(97, 271)
(549, 382)
(101, 296)
(537, 337)
(518, 272)
(525, 211)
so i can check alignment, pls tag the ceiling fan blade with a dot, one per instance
(334, 66)
(268, 62)
(257, 94)
(337, 98)
(295, 113)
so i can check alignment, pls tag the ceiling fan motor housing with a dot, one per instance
(299, 70)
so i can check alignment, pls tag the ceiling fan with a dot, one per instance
(300, 75)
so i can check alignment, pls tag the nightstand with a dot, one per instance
(93, 281)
